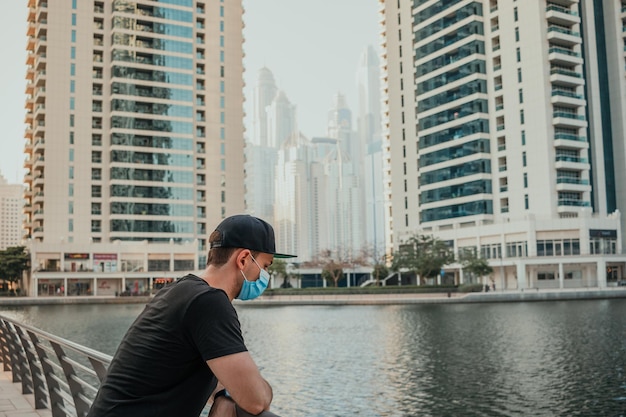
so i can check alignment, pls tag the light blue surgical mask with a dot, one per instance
(252, 289)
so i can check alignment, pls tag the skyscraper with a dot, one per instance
(11, 213)
(275, 122)
(134, 114)
(513, 152)
(264, 94)
(370, 141)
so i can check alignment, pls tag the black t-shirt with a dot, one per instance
(160, 367)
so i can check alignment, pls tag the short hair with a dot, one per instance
(219, 256)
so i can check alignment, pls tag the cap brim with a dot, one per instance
(283, 256)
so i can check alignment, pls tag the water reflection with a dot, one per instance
(557, 358)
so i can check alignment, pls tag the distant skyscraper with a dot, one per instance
(519, 148)
(264, 94)
(275, 122)
(282, 124)
(292, 213)
(368, 90)
(134, 121)
(370, 141)
(11, 214)
(340, 126)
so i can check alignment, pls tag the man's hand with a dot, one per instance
(241, 377)
(223, 407)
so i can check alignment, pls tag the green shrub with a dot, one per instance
(471, 288)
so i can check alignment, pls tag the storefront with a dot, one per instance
(50, 287)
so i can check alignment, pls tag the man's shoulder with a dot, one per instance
(193, 287)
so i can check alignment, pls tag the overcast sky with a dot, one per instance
(312, 47)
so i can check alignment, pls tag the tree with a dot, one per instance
(13, 262)
(380, 271)
(473, 264)
(424, 255)
(332, 266)
(278, 268)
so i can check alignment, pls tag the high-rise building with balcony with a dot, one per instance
(135, 131)
(517, 149)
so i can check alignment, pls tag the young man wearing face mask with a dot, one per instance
(186, 346)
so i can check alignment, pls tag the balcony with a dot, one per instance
(561, 15)
(564, 56)
(574, 203)
(567, 119)
(566, 77)
(571, 162)
(563, 36)
(39, 146)
(568, 136)
(572, 184)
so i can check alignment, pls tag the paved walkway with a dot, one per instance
(15, 404)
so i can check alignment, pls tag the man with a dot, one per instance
(187, 343)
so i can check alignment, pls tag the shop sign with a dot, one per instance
(76, 256)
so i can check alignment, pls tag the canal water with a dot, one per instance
(562, 358)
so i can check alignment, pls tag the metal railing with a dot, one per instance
(62, 375)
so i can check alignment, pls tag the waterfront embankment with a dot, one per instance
(361, 299)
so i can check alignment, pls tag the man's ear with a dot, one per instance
(241, 258)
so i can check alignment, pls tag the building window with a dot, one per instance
(518, 52)
(515, 14)
(558, 247)
(519, 75)
(521, 95)
(545, 276)
(523, 137)
(525, 180)
(492, 251)
(526, 205)
(516, 249)
(516, 34)
(521, 116)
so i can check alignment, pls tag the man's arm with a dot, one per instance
(242, 379)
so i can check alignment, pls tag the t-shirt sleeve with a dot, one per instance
(213, 326)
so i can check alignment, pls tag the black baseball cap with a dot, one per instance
(248, 232)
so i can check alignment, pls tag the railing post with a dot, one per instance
(36, 371)
(4, 349)
(78, 394)
(18, 358)
(54, 389)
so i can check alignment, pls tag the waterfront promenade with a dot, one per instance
(359, 299)
(15, 404)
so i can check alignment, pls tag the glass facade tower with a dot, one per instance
(134, 115)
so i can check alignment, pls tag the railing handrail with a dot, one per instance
(55, 370)
(56, 379)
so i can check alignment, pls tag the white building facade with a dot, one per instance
(135, 132)
(512, 153)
